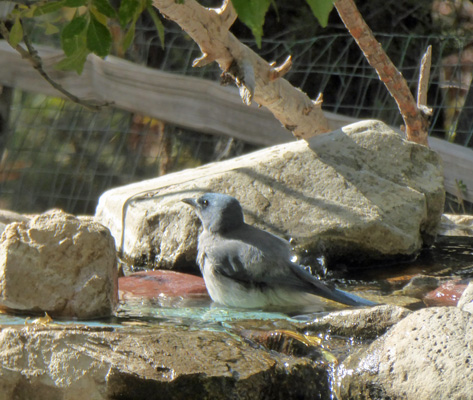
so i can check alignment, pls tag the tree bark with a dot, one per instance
(256, 78)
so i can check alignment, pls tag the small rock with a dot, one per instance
(428, 355)
(58, 264)
(466, 300)
(446, 294)
(364, 323)
(7, 217)
(151, 284)
(419, 285)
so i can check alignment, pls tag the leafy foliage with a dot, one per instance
(321, 10)
(252, 13)
(87, 30)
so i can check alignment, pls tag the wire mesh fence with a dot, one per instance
(57, 154)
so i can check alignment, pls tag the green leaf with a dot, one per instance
(157, 22)
(75, 62)
(48, 7)
(16, 33)
(99, 38)
(105, 8)
(129, 36)
(29, 12)
(73, 36)
(127, 11)
(74, 3)
(50, 29)
(321, 10)
(252, 13)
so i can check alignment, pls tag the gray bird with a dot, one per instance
(247, 267)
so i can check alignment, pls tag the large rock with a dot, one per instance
(428, 355)
(358, 193)
(59, 264)
(164, 362)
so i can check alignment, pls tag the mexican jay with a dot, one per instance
(247, 267)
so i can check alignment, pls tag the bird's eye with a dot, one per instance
(205, 203)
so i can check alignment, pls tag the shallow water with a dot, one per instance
(280, 331)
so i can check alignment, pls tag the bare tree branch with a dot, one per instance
(33, 57)
(416, 122)
(208, 27)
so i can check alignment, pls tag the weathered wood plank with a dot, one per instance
(458, 166)
(190, 102)
(186, 101)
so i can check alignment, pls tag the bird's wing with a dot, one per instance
(256, 258)
(320, 289)
(247, 264)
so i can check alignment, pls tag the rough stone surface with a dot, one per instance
(358, 193)
(59, 264)
(7, 217)
(363, 323)
(165, 362)
(466, 300)
(428, 355)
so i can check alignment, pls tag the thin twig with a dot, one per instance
(423, 86)
(31, 55)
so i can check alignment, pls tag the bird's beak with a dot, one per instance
(191, 202)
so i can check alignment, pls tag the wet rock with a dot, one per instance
(283, 341)
(466, 300)
(419, 285)
(447, 294)
(151, 284)
(456, 225)
(427, 355)
(58, 264)
(362, 323)
(358, 193)
(165, 362)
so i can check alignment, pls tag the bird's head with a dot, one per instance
(218, 212)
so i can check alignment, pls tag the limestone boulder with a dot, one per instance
(427, 355)
(59, 264)
(360, 193)
(164, 362)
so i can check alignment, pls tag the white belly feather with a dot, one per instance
(229, 292)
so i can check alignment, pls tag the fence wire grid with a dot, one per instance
(58, 154)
